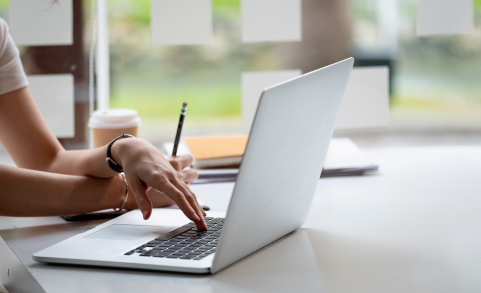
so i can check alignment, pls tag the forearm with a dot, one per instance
(82, 162)
(30, 193)
(92, 162)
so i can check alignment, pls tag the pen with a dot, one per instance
(179, 128)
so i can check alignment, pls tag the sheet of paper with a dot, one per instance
(445, 17)
(366, 101)
(181, 22)
(345, 154)
(253, 84)
(41, 22)
(54, 95)
(271, 20)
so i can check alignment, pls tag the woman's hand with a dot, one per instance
(159, 200)
(145, 168)
(179, 163)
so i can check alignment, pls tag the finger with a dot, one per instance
(181, 161)
(159, 200)
(192, 200)
(179, 198)
(189, 176)
(140, 193)
(190, 196)
(197, 201)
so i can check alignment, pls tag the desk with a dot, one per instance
(413, 227)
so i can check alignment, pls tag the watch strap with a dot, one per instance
(112, 163)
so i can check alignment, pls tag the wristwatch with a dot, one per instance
(113, 164)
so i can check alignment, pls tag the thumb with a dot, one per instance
(143, 201)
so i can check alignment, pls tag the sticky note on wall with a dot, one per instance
(271, 20)
(41, 22)
(54, 95)
(366, 100)
(181, 22)
(445, 17)
(253, 84)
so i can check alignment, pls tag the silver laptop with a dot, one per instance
(273, 193)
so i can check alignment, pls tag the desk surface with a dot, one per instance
(413, 227)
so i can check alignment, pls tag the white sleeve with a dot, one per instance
(12, 75)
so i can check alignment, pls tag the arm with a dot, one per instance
(32, 145)
(31, 193)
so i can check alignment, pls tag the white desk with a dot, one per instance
(414, 227)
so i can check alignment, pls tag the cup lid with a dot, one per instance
(114, 118)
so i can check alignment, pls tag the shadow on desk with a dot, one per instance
(308, 260)
(287, 266)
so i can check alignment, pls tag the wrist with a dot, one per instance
(118, 148)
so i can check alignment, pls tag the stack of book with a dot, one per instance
(217, 158)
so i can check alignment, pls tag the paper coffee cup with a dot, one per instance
(108, 124)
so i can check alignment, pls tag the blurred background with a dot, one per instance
(435, 83)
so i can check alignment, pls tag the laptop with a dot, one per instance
(274, 189)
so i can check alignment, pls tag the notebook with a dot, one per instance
(213, 151)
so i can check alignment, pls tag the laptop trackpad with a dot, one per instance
(126, 232)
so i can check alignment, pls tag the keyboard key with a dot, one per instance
(164, 245)
(216, 220)
(159, 248)
(129, 253)
(149, 253)
(208, 218)
(173, 256)
(161, 254)
(173, 233)
(187, 257)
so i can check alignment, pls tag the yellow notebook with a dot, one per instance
(217, 151)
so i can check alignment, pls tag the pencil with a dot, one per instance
(179, 129)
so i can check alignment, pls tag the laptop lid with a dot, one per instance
(283, 161)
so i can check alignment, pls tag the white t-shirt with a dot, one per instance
(12, 76)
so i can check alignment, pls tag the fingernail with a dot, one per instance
(143, 210)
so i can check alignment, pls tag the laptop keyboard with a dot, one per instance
(186, 242)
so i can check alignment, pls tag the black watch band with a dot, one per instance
(113, 164)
